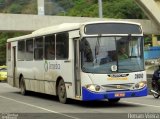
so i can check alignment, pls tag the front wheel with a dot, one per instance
(114, 100)
(23, 86)
(62, 95)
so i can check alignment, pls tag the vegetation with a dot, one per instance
(3, 37)
(18, 6)
(125, 9)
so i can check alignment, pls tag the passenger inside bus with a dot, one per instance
(122, 53)
(50, 52)
(60, 52)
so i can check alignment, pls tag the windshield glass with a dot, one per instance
(112, 54)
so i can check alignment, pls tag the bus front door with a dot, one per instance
(77, 69)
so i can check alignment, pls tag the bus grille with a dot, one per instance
(113, 87)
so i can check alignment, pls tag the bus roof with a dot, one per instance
(61, 28)
(57, 28)
(48, 30)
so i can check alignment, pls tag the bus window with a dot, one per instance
(38, 48)
(87, 51)
(21, 50)
(50, 47)
(29, 49)
(62, 45)
(122, 48)
(9, 51)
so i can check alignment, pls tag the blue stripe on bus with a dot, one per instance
(89, 95)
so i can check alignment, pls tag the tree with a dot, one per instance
(124, 9)
(3, 38)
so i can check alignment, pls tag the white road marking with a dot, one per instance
(135, 103)
(51, 111)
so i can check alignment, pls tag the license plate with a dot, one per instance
(119, 94)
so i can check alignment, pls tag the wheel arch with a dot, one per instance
(57, 82)
(20, 78)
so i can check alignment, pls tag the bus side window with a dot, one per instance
(62, 46)
(9, 51)
(29, 49)
(21, 50)
(50, 47)
(38, 48)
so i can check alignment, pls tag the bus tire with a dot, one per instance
(61, 89)
(114, 100)
(23, 86)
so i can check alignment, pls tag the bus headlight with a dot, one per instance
(141, 84)
(94, 88)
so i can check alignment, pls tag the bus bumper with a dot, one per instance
(89, 95)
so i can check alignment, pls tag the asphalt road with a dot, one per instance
(13, 105)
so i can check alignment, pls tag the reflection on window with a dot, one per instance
(21, 50)
(38, 48)
(29, 49)
(132, 47)
(50, 47)
(62, 45)
(99, 54)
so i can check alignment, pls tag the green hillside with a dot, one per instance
(18, 6)
(126, 9)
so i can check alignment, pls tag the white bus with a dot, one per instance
(80, 61)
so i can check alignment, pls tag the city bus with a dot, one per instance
(80, 61)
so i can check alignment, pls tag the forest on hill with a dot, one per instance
(125, 9)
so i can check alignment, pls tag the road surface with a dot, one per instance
(13, 105)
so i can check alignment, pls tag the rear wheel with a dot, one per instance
(23, 86)
(114, 100)
(62, 95)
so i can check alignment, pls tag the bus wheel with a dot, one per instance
(114, 100)
(23, 86)
(62, 95)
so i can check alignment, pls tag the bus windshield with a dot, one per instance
(104, 54)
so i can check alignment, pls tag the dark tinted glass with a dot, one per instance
(38, 48)
(21, 50)
(112, 28)
(62, 46)
(50, 47)
(29, 49)
(9, 51)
